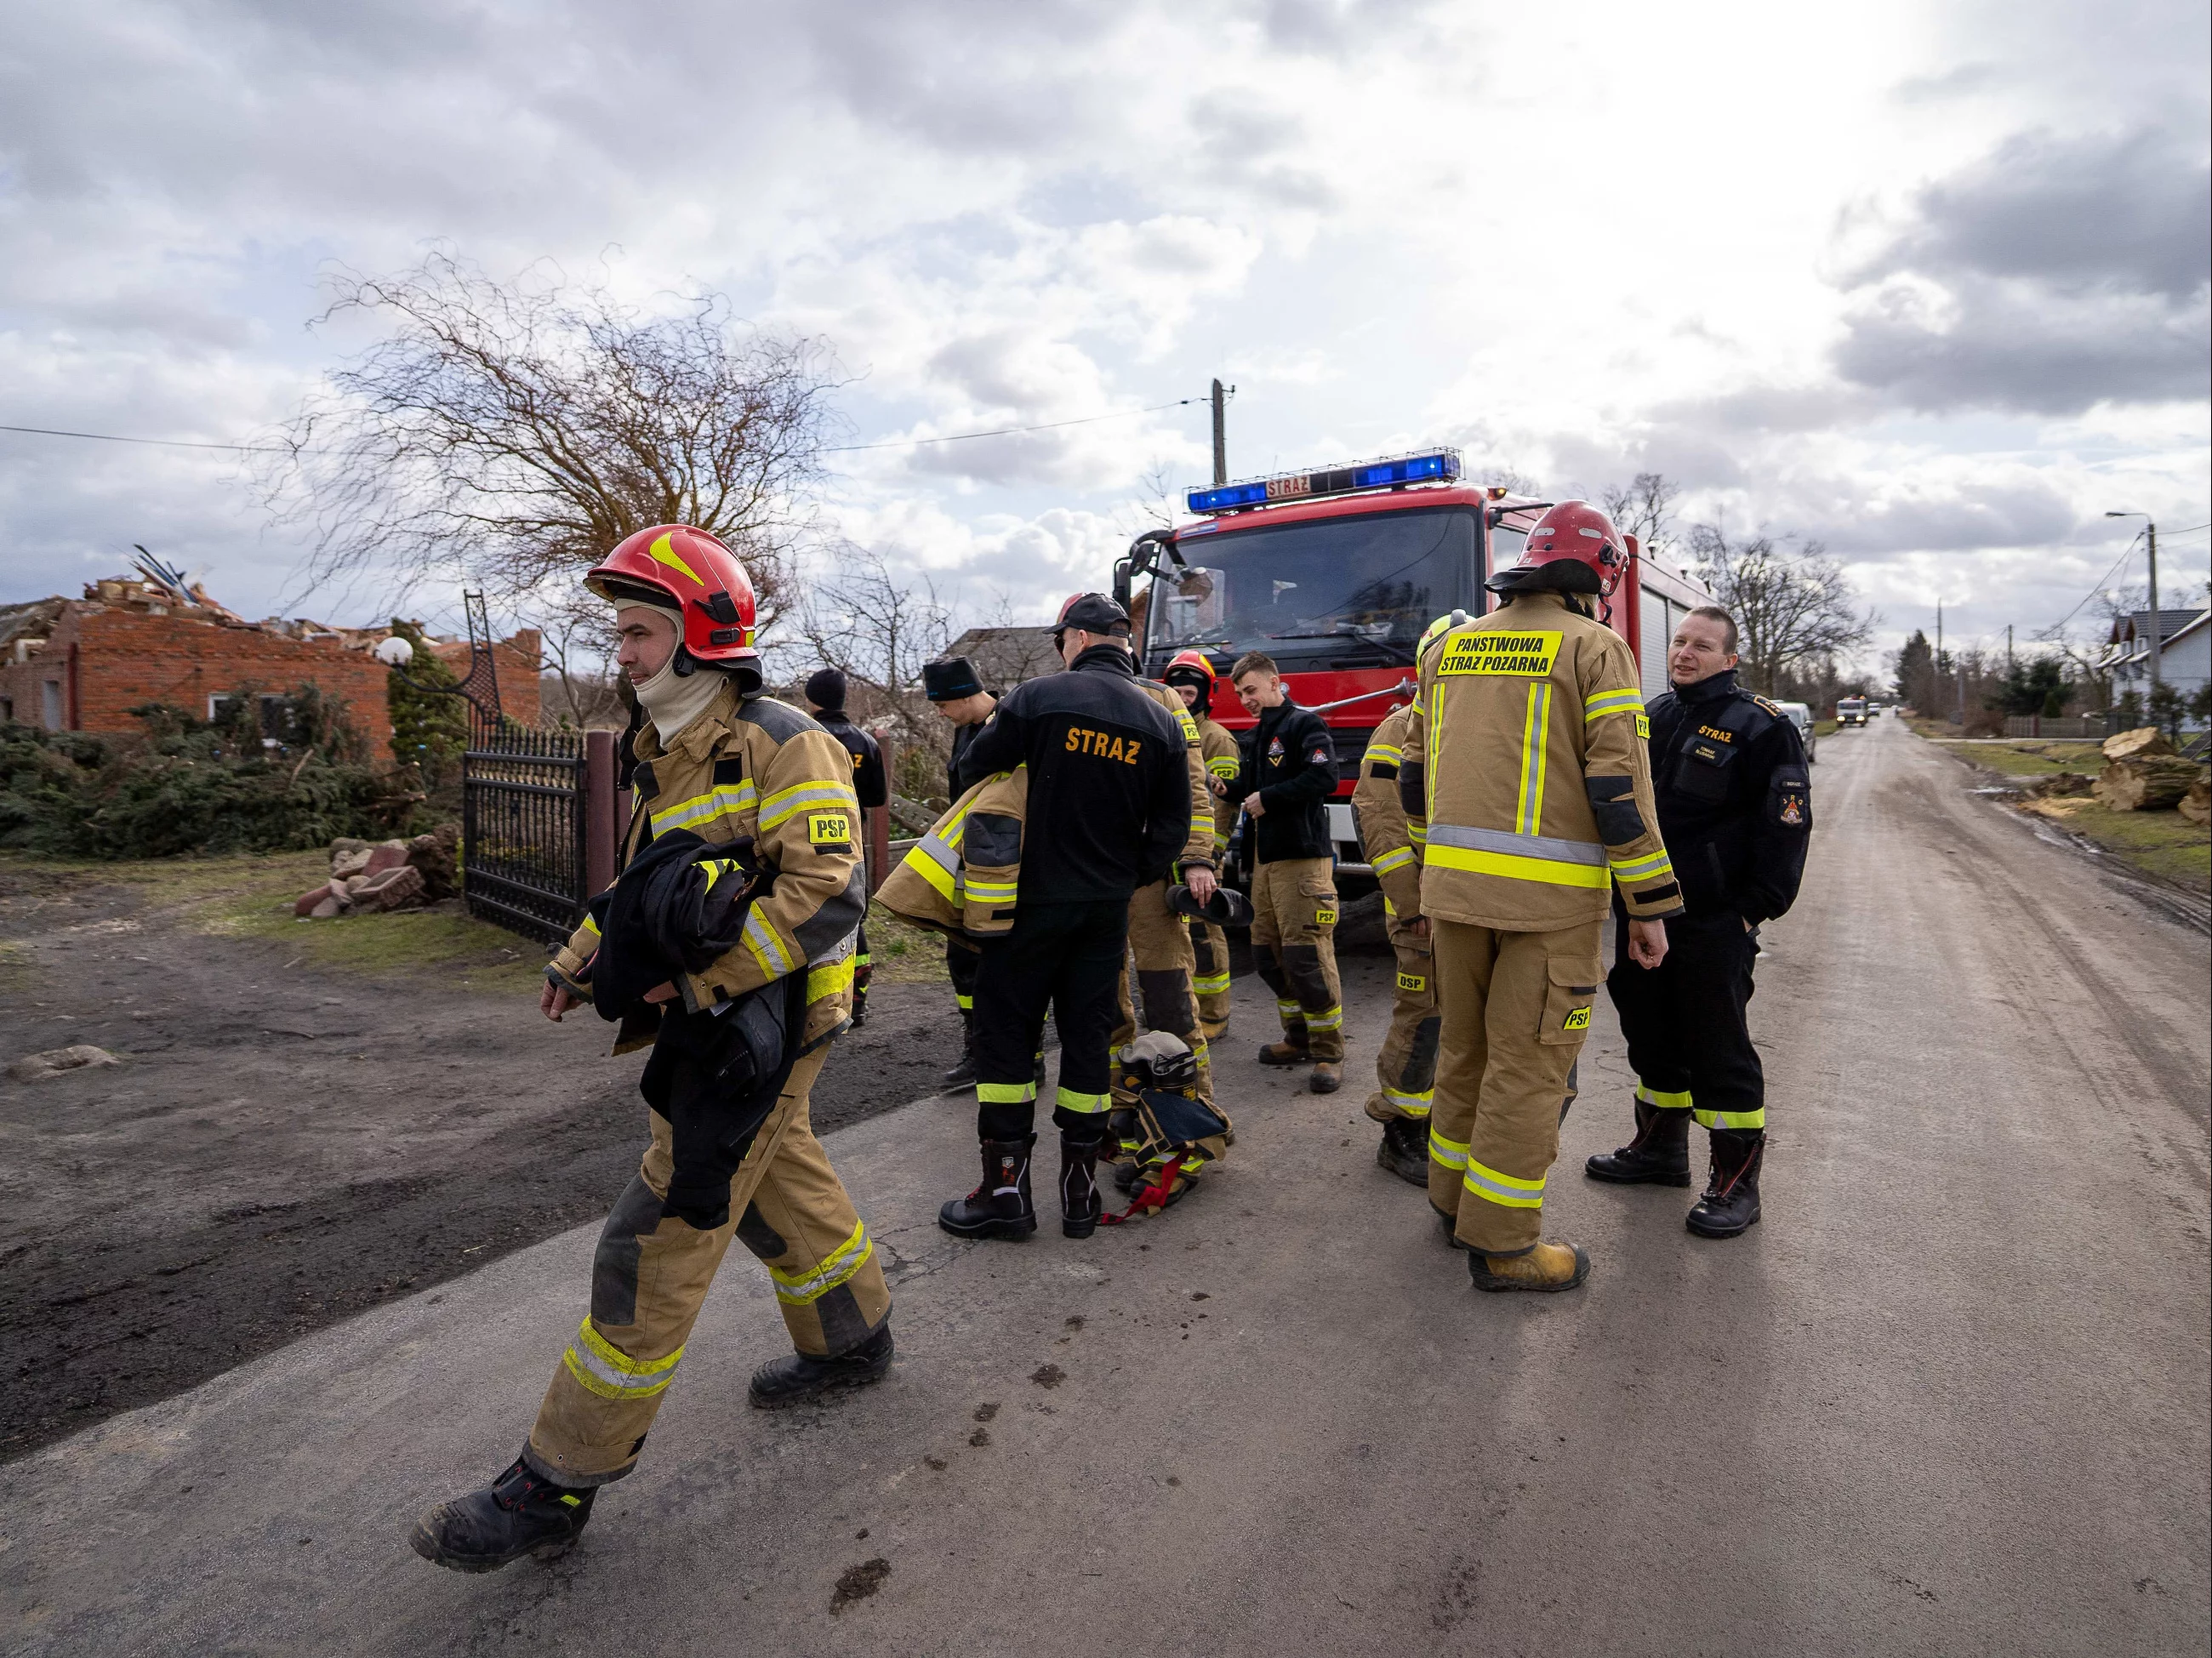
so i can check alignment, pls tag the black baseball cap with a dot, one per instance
(950, 679)
(1094, 613)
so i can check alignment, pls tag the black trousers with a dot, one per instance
(1066, 958)
(1689, 1036)
(960, 962)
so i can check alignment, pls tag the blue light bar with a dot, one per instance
(1434, 465)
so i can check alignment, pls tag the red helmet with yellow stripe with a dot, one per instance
(675, 566)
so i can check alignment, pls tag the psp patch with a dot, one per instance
(1324, 918)
(1577, 1020)
(1500, 655)
(829, 828)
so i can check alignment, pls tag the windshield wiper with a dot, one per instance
(1399, 653)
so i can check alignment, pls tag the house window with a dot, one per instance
(50, 704)
(279, 718)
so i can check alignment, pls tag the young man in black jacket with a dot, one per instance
(1287, 770)
(825, 690)
(1735, 809)
(1107, 810)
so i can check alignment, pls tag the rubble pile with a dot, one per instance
(374, 877)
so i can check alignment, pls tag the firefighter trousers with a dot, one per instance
(652, 1272)
(1209, 947)
(1161, 946)
(1293, 947)
(1065, 957)
(1406, 1070)
(1688, 1025)
(1515, 1009)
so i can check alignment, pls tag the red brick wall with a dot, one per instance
(125, 658)
(19, 686)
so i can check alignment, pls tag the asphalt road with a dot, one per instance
(1952, 1397)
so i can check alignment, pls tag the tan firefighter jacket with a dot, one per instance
(963, 875)
(1380, 816)
(1529, 789)
(1217, 745)
(1199, 850)
(752, 766)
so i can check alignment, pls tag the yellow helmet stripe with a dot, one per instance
(662, 553)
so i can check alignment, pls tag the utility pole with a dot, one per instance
(2008, 661)
(2150, 541)
(1939, 630)
(1220, 433)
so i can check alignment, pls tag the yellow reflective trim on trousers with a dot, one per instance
(1515, 867)
(787, 804)
(1508, 1190)
(1535, 731)
(1289, 1010)
(1606, 703)
(1088, 1104)
(803, 1289)
(1642, 869)
(602, 1368)
(1665, 1102)
(723, 800)
(830, 978)
(1396, 858)
(1210, 984)
(766, 949)
(1328, 1019)
(1005, 1093)
(1450, 1153)
(1740, 1120)
(967, 1003)
(1413, 1105)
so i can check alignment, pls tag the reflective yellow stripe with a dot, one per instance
(1005, 1093)
(992, 892)
(603, 1369)
(1535, 731)
(1288, 1009)
(1731, 1118)
(723, 800)
(787, 804)
(1515, 867)
(1383, 751)
(1606, 703)
(591, 925)
(1642, 869)
(1225, 768)
(760, 938)
(1417, 831)
(1413, 1105)
(1210, 984)
(1328, 1019)
(1509, 1190)
(1450, 1153)
(967, 1003)
(1664, 1102)
(1088, 1104)
(1396, 858)
(830, 978)
(800, 1288)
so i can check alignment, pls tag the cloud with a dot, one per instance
(2052, 275)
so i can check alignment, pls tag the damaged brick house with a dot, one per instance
(81, 665)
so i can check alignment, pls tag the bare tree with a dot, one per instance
(1792, 605)
(577, 638)
(512, 433)
(865, 617)
(1644, 507)
(1504, 476)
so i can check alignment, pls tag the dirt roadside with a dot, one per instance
(302, 1125)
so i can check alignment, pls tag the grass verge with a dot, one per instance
(2161, 844)
(903, 954)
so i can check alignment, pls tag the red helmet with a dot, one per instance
(1574, 549)
(678, 568)
(1191, 668)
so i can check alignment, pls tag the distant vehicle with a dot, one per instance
(1851, 711)
(1802, 717)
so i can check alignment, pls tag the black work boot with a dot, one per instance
(1658, 1156)
(1000, 1207)
(1405, 1150)
(797, 1377)
(518, 1513)
(1286, 1051)
(961, 1077)
(1081, 1206)
(1730, 1204)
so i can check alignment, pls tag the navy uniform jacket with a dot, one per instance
(1734, 797)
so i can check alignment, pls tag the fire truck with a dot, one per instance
(1334, 573)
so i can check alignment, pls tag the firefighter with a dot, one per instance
(825, 692)
(1192, 677)
(1735, 806)
(1287, 768)
(1525, 782)
(1106, 811)
(956, 691)
(1405, 1069)
(720, 760)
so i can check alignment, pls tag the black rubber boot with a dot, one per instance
(1730, 1207)
(1000, 1207)
(1658, 1156)
(797, 1377)
(1081, 1206)
(961, 1077)
(518, 1513)
(1405, 1150)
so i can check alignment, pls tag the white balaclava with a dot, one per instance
(672, 701)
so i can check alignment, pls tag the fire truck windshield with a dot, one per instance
(1328, 593)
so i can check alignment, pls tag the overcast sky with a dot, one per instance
(1925, 281)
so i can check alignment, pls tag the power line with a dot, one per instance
(166, 443)
(2099, 587)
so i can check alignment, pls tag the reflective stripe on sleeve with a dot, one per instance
(1396, 858)
(1225, 767)
(1642, 869)
(760, 938)
(1509, 1190)
(785, 804)
(602, 1368)
(1606, 703)
(1388, 752)
(801, 1289)
(1452, 1154)
(723, 800)
(831, 977)
(991, 892)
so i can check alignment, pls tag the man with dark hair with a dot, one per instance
(956, 691)
(1735, 808)
(825, 692)
(1287, 770)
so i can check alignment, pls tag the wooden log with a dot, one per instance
(2196, 805)
(2137, 745)
(2146, 784)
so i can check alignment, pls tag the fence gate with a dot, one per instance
(524, 817)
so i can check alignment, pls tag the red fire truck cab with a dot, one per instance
(1334, 573)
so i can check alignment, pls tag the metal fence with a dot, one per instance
(2090, 727)
(523, 815)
